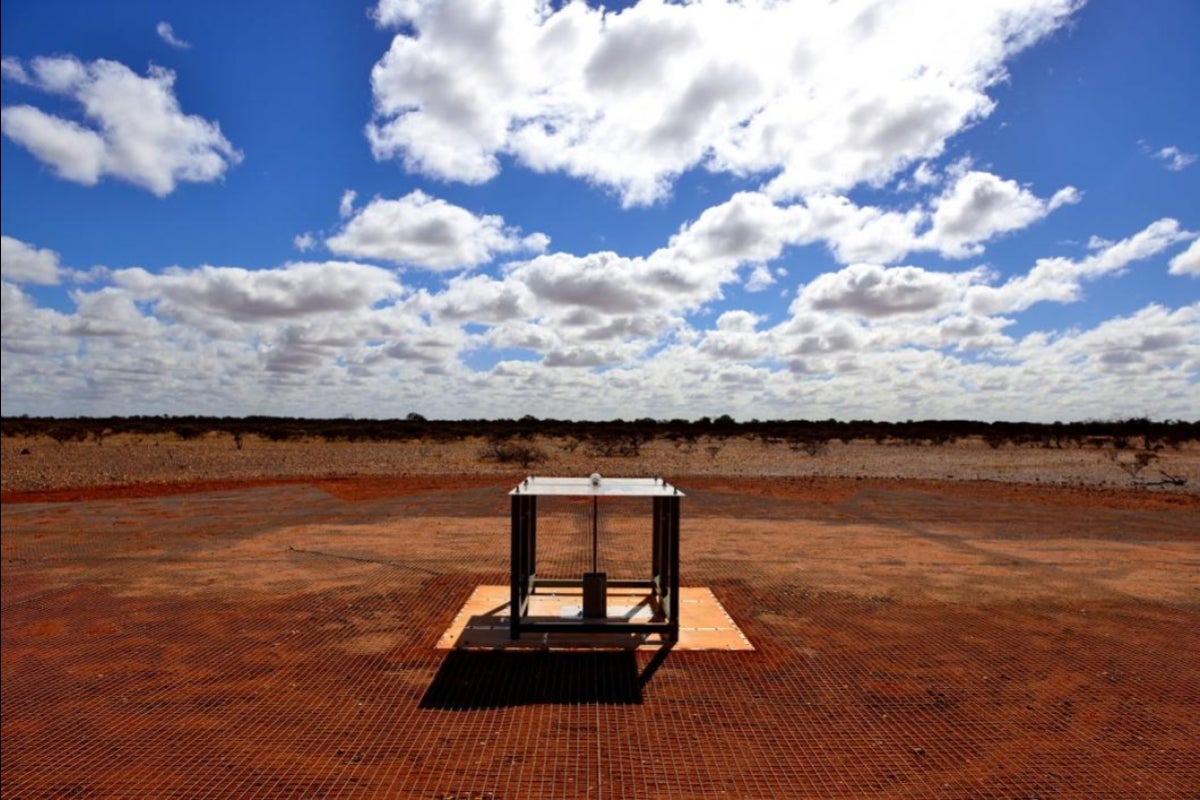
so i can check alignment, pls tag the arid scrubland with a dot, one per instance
(40, 462)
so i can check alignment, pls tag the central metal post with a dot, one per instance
(595, 502)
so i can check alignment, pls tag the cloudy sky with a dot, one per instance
(904, 209)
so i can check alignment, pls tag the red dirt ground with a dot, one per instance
(913, 639)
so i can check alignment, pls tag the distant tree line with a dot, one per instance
(620, 437)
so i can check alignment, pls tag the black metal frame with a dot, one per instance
(663, 583)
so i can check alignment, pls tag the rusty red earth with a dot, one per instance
(912, 639)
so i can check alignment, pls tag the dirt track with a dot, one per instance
(913, 639)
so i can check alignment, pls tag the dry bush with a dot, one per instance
(508, 452)
(616, 446)
(812, 445)
(67, 433)
(1135, 466)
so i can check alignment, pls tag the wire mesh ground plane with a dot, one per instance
(910, 641)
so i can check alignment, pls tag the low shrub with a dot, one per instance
(509, 452)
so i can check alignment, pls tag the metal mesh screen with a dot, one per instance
(624, 528)
(967, 641)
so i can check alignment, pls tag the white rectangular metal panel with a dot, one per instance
(607, 487)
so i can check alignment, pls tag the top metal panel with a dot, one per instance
(606, 487)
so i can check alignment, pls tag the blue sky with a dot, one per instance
(888, 210)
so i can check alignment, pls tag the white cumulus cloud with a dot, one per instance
(427, 232)
(1154, 344)
(295, 291)
(132, 128)
(870, 290)
(1187, 262)
(346, 204)
(815, 97)
(1060, 279)
(11, 69)
(980, 206)
(304, 241)
(24, 263)
(974, 209)
(167, 34)
(1175, 159)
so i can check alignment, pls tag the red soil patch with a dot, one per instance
(836, 490)
(344, 488)
(815, 489)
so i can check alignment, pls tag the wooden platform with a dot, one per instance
(482, 622)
